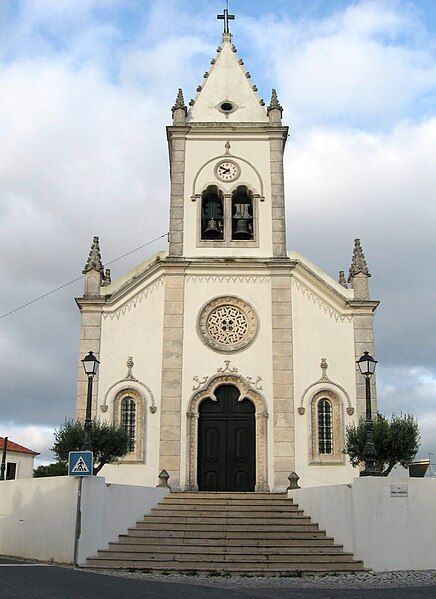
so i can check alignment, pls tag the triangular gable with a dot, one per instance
(228, 81)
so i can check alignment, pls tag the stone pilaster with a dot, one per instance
(283, 385)
(277, 145)
(90, 337)
(172, 362)
(177, 147)
(363, 323)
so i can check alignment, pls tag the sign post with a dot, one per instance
(80, 464)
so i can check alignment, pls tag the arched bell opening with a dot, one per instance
(212, 214)
(242, 214)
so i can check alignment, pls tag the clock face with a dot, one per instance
(227, 171)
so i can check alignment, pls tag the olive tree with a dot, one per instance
(108, 442)
(396, 441)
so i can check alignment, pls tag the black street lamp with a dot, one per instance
(366, 364)
(90, 366)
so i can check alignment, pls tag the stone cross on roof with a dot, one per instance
(226, 18)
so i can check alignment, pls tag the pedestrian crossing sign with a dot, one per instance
(80, 463)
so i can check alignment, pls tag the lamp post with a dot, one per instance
(366, 364)
(90, 366)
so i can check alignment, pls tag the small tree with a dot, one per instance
(55, 469)
(396, 441)
(108, 442)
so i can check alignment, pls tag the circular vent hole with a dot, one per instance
(226, 106)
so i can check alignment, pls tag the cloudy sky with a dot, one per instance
(86, 88)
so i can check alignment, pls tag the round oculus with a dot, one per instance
(227, 170)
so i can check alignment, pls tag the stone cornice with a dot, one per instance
(94, 304)
(364, 305)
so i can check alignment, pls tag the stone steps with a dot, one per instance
(234, 533)
(227, 534)
(223, 541)
(221, 550)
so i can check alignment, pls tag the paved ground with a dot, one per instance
(26, 580)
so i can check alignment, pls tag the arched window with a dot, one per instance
(212, 214)
(325, 426)
(242, 214)
(128, 419)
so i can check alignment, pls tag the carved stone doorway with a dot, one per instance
(245, 391)
(226, 442)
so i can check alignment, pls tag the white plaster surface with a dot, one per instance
(386, 532)
(37, 518)
(38, 515)
(227, 81)
(109, 510)
(24, 462)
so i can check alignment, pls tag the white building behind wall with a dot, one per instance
(229, 359)
(19, 460)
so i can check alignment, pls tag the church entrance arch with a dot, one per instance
(226, 442)
(240, 414)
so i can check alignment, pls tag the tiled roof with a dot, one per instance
(16, 448)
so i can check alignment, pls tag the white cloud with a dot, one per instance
(367, 65)
(37, 438)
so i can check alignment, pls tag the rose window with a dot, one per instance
(227, 324)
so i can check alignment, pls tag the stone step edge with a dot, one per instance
(358, 567)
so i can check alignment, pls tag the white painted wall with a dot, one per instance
(133, 327)
(38, 515)
(24, 462)
(322, 328)
(109, 510)
(37, 518)
(386, 532)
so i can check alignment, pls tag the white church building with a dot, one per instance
(230, 360)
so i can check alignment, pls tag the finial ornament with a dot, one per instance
(94, 258)
(274, 102)
(179, 104)
(358, 262)
(342, 280)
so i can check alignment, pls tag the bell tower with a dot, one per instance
(226, 164)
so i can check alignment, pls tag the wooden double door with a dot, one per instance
(226, 442)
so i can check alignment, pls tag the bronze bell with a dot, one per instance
(241, 230)
(212, 230)
(242, 217)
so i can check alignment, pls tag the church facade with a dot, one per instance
(229, 360)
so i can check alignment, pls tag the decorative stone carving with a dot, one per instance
(227, 324)
(342, 280)
(138, 454)
(227, 376)
(317, 301)
(274, 102)
(324, 379)
(94, 259)
(163, 478)
(293, 479)
(132, 303)
(123, 385)
(255, 383)
(358, 262)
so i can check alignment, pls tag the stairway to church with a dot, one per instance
(228, 533)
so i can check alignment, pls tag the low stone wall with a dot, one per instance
(389, 523)
(38, 515)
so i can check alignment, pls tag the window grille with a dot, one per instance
(128, 420)
(325, 430)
